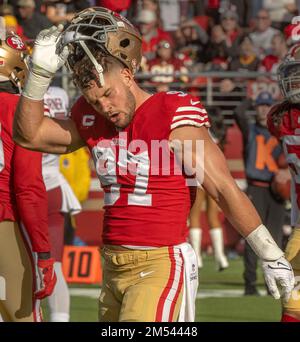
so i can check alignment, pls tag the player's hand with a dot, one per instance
(45, 58)
(293, 246)
(279, 272)
(47, 278)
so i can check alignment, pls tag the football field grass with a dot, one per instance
(220, 298)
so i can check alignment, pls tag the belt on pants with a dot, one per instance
(119, 255)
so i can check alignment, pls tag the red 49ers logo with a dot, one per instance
(15, 42)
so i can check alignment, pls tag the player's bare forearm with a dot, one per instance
(238, 209)
(218, 182)
(212, 172)
(32, 130)
(27, 120)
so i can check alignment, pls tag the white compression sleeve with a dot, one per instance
(59, 301)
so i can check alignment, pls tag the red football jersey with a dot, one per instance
(147, 202)
(284, 123)
(22, 192)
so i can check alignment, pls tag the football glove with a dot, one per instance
(279, 272)
(45, 62)
(47, 278)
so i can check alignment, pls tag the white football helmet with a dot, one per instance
(288, 74)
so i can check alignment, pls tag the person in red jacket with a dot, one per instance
(151, 33)
(24, 242)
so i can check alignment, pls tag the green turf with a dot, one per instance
(243, 309)
(83, 309)
(228, 309)
(231, 278)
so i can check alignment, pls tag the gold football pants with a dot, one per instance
(16, 276)
(141, 285)
(292, 254)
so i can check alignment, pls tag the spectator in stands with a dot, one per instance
(168, 64)
(191, 40)
(229, 23)
(281, 12)
(216, 52)
(6, 9)
(243, 8)
(151, 5)
(11, 25)
(247, 59)
(31, 21)
(151, 33)
(263, 33)
(261, 152)
(170, 14)
(62, 11)
(257, 5)
(279, 50)
(14, 4)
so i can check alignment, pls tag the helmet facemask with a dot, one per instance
(105, 30)
(289, 81)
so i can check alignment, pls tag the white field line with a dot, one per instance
(94, 293)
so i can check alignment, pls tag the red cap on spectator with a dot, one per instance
(202, 21)
(288, 32)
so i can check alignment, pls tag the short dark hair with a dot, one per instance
(84, 70)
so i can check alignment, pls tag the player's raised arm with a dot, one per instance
(31, 129)
(212, 172)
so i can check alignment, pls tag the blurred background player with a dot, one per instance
(24, 241)
(76, 169)
(61, 200)
(283, 122)
(261, 151)
(218, 133)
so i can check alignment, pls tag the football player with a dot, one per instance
(148, 262)
(283, 122)
(61, 200)
(24, 241)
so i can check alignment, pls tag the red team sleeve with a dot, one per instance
(186, 110)
(31, 197)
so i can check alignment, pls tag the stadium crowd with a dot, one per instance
(187, 34)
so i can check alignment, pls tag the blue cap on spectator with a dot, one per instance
(264, 98)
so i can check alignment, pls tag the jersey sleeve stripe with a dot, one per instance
(192, 109)
(190, 116)
(291, 140)
(189, 123)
